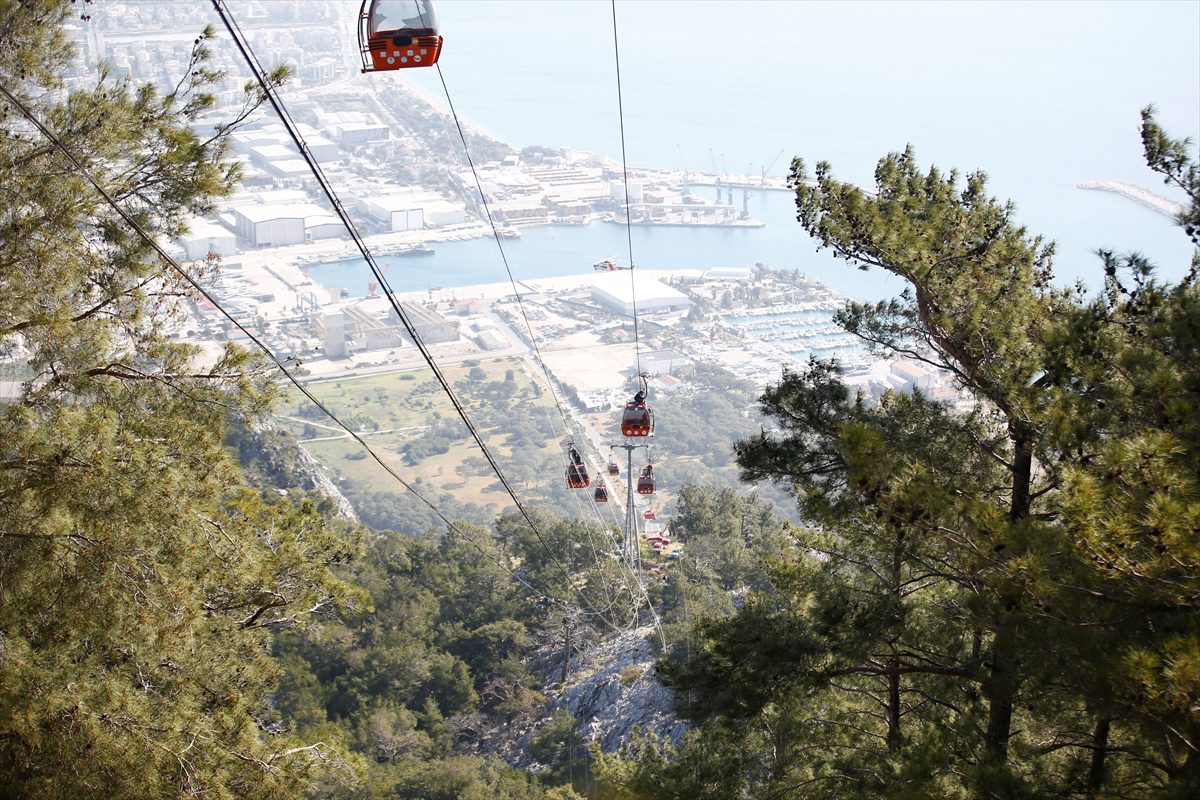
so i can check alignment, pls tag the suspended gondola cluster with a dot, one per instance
(403, 34)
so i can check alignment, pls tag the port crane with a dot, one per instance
(763, 178)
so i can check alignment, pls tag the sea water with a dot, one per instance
(1039, 95)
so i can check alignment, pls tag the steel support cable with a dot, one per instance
(529, 327)
(315, 167)
(637, 345)
(280, 364)
(500, 246)
(511, 278)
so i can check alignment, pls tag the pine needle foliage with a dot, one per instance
(991, 602)
(138, 585)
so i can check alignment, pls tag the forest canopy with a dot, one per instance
(997, 602)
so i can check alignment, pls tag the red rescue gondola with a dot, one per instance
(397, 34)
(601, 495)
(638, 419)
(645, 484)
(577, 474)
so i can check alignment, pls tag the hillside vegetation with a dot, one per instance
(993, 605)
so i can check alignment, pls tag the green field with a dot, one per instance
(395, 411)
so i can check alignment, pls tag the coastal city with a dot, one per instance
(599, 400)
(277, 257)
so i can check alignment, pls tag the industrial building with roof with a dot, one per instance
(204, 237)
(271, 225)
(361, 325)
(618, 291)
(413, 209)
(661, 362)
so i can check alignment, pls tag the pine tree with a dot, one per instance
(995, 604)
(138, 585)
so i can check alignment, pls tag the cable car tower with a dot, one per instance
(637, 427)
(631, 548)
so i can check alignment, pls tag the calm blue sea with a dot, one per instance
(1039, 95)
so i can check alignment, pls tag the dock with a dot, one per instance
(1143, 197)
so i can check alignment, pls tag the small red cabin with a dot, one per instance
(601, 495)
(645, 484)
(577, 476)
(613, 469)
(637, 420)
(397, 34)
(649, 515)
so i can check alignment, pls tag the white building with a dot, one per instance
(913, 376)
(204, 237)
(661, 362)
(413, 209)
(491, 340)
(619, 290)
(272, 225)
(400, 212)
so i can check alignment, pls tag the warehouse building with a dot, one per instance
(413, 209)
(365, 325)
(271, 225)
(204, 237)
(618, 290)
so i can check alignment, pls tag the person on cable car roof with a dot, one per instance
(638, 419)
(397, 34)
(645, 484)
(577, 474)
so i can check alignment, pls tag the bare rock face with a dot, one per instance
(321, 483)
(612, 690)
(272, 459)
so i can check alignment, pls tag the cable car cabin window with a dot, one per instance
(406, 17)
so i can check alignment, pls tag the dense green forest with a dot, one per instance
(994, 605)
(997, 604)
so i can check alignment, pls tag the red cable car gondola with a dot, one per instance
(397, 34)
(613, 469)
(638, 419)
(601, 495)
(645, 484)
(577, 474)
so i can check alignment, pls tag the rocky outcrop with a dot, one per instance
(273, 459)
(612, 691)
(323, 484)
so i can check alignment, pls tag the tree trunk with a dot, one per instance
(893, 678)
(893, 710)
(566, 651)
(1099, 752)
(1022, 477)
(1004, 678)
(1001, 689)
